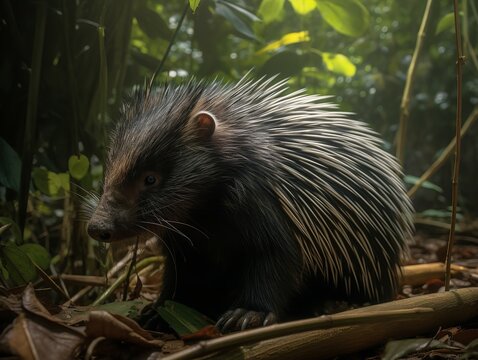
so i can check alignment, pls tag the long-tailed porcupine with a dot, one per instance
(266, 202)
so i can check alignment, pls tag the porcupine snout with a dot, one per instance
(112, 219)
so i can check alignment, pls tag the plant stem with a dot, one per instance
(170, 45)
(405, 104)
(456, 168)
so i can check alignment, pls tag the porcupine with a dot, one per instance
(266, 201)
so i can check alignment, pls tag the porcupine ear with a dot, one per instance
(205, 124)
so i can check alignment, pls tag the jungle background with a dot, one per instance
(66, 66)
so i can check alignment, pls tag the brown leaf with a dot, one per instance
(36, 338)
(466, 336)
(36, 334)
(117, 327)
(207, 332)
(31, 304)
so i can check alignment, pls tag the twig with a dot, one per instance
(170, 45)
(405, 104)
(456, 168)
(143, 263)
(438, 163)
(130, 269)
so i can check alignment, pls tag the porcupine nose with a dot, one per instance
(98, 231)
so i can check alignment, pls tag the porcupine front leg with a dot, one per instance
(266, 290)
(269, 271)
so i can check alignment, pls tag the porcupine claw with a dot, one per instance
(242, 319)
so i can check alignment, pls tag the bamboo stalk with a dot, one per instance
(456, 168)
(405, 104)
(346, 336)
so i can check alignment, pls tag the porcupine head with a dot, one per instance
(259, 198)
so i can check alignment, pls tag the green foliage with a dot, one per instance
(78, 166)
(270, 10)
(339, 64)
(194, 4)
(447, 22)
(303, 7)
(238, 16)
(412, 180)
(37, 254)
(18, 262)
(50, 183)
(10, 166)
(348, 17)
(124, 308)
(182, 319)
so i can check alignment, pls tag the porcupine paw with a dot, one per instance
(242, 319)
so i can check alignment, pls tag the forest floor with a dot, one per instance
(36, 327)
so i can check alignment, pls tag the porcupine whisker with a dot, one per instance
(179, 232)
(173, 229)
(189, 226)
(173, 258)
(88, 192)
(153, 211)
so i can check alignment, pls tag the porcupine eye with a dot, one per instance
(150, 180)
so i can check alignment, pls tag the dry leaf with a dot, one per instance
(117, 327)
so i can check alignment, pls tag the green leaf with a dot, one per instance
(14, 229)
(4, 271)
(64, 180)
(18, 264)
(270, 10)
(303, 7)
(238, 24)
(124, 308)
(410, 179)
(45, 181)
(447, 22)
(287, 39)
(78, 166)
(348, 17)
(10, 166)
(240, 10)
(181, 318)
(339, 64)
(152, 24)
(38, 254)
(194, 4)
